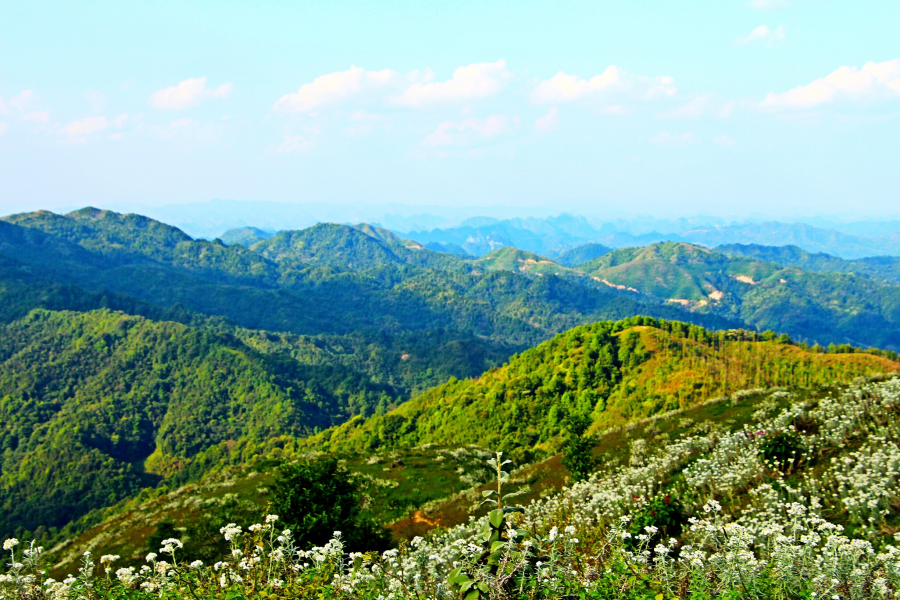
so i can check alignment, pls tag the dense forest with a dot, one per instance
(96, 406)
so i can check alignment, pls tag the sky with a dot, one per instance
(731, 108)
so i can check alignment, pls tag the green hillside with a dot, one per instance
(885, 268)
(349, 248)
(512, 259)
(582, 254)
(823, 307)
(245, 236)
(769, 493)
(609, 373)
(294, 282)
(96, 406)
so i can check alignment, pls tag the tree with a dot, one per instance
(578, 450)
(317, 498)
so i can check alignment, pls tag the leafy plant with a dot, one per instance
(783, 450)
(316, 498)
(578, 449)
(660, 518)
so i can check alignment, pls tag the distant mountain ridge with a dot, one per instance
(555, 236)
(334, 279)
(762, 294)
(886, 268)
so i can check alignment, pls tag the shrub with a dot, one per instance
(784, 450)
(317, 498)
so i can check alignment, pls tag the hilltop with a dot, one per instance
(515, 260)
(610, 373)
(815, 306)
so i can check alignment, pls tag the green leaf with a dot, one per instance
(497, 546)
(496, 517)
(473, 595)
(487, 493)
(459, 578)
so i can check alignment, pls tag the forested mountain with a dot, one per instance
(515, 260)
(886, 268)
(329, 279)
(95, 406)
(609, 374)
(245, 236)
(581, 254)
(480, 235)
(824, 307)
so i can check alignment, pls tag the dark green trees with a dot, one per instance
(317, 498)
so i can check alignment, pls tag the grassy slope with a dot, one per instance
(416, 490)
(513, 259)
(614, 372)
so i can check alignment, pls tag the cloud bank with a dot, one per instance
(613, 82)
(874, 81)
(189, 93)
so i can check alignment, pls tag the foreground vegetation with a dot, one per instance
(798, 503)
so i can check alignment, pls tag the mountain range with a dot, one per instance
(134, 356)
(553, 236)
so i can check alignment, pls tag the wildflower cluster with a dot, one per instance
(707, 515)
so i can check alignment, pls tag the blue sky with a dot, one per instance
(775, 107)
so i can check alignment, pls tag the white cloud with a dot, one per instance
(120, 120)
(85, 126)
(24, 103)
(23, 100)
(38, 116)
(693, 109)
(188, 94)
(3, 128)
(664, 137)
(450, 133)
(724, 140)
(548, 122)
(763, 34)
(177, 126)
(613, 82)
(478, 80)
(871, 82)
(333, 88)
(295, 144)
(3, 109)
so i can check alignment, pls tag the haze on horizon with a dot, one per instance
(730, 109)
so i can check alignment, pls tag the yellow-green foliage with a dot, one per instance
(614, 372)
